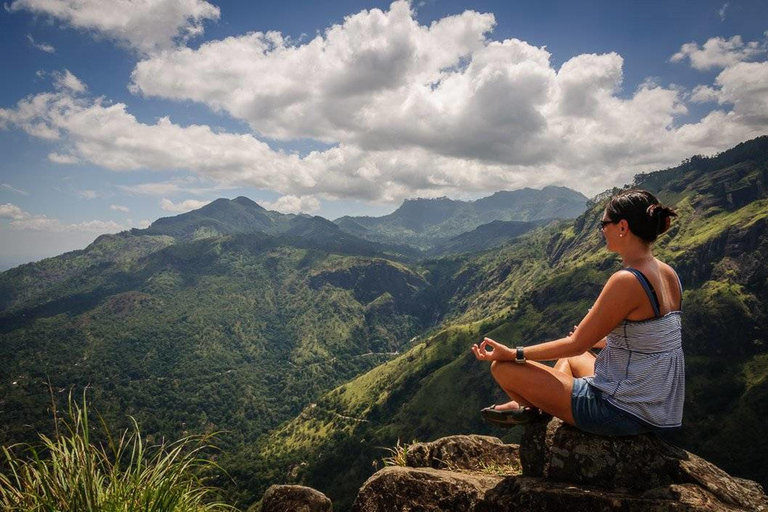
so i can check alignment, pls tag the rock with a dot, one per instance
(563, 469)
(295, 498)
(396, 488)
(463, 452)
(535, 494)
(559, 452)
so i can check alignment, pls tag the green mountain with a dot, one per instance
(310, 344)
(425, 223)
(535, 289)
(484, 237)
(235, 333)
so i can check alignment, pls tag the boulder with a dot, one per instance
(396, 488)
(463, 452)
(295, 498)
(563, 469)
(558, 452)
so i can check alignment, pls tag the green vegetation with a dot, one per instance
(72, 472)
(312, 348)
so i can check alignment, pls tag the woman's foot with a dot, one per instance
(509, 414)
(509, 406)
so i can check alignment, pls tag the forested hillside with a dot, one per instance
(310, 346)
(533, 290)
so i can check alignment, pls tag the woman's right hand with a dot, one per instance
(498, 351)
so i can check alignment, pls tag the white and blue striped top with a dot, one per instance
(641, 370)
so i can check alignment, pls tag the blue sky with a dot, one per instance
(113, 114)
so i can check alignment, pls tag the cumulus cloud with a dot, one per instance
(44, 223)
(741, 86)
(183, 206)
(294, 204)
(61, 158)
(11, 211)
(146, 25)
(187, 185)
(66, 80)
(22, 220)
(454, 113)
(718, 52)
(87, 194)
(119, 208)
(43, 47)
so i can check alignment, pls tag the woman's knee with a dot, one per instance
(501, 367)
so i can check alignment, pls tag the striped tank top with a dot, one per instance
(641, 370)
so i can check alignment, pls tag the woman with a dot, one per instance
(636, 383)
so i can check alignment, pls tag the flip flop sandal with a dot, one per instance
(511, 417)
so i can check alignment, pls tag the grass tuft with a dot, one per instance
(398, 455)
(71, 473)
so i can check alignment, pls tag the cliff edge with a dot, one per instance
(556, 467)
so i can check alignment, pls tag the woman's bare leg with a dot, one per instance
(537, 385)
(577, 366)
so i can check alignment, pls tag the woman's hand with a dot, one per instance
(499, 352)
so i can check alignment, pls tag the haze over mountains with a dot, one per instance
(311, 342)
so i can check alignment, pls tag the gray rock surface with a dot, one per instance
(558, 452)
(563, 469)
(463, 452)
(295, 498)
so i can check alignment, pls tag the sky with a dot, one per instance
(114, 113)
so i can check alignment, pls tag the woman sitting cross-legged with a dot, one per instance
(636, 383)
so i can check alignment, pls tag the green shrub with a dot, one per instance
(70, 472)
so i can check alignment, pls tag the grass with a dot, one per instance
(71, 472)
(398, 455)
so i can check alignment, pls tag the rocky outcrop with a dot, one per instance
(638, 465)
(295, 498)
(556, 467)
(463, 452)
(562, 469)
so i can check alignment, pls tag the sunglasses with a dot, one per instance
(604, 223)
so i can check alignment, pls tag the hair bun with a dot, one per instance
(661, 216)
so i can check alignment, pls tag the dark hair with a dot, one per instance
(647, 218)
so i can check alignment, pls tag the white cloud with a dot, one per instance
(11, 211)
(22, 220)
(183, 206)
(294, 204)
(67, 80)
(146, 25)
(119, 208)
(44, 47)
(15, 190)
(145, 223)
(87, 194)
(718, 52)
(722, 10)
(61, 158)
(456, 114)
(187, 185)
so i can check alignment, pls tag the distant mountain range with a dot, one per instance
(437, 226)
(428, 223)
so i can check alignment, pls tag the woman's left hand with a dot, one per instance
(499, 352)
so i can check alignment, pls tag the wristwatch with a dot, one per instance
(520, 355)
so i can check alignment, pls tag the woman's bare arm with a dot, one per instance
(615, 303)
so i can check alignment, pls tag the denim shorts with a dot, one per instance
(595, 415)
